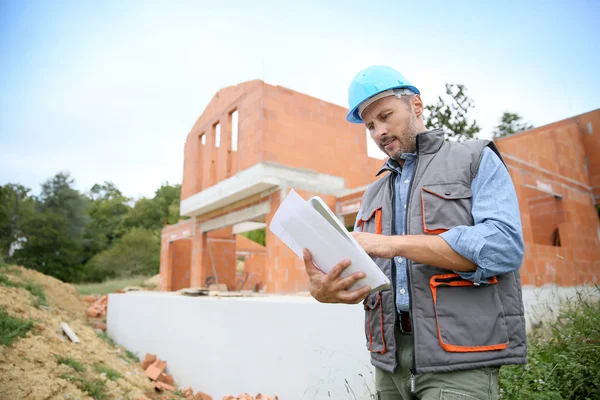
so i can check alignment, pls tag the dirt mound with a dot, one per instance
(47, 365)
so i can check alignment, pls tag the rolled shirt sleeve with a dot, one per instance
(495, 242)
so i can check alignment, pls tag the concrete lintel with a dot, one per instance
(247, 227)
(236, 217)
(256, 179)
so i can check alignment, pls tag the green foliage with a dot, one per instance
(257, 235)
(12, 328)
(76, 365)
(137, 253)
(563, 364)
(453, 113)
(510, 123)
(110, 373)
(78, 238)
(50, 248)
(157, 212)
(59, 197)
(15, 205)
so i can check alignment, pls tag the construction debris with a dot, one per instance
(246, 396)
(194, 291)
(69, 332)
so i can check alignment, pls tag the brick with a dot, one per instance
(202, 396)
(166, 378)
(155, 369)
(148, 359)
(163, 386)
(99, 325)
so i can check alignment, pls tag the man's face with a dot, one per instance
(392, 123)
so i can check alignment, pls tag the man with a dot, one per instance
(444, 226)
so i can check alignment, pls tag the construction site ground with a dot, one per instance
(45, 364)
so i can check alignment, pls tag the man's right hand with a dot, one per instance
(329, 288)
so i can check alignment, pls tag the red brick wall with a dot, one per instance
(305, 132)
(181, 259)
(205, 165)
(554, 156)
(254, 266)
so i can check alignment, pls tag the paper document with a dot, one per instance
(311, 225)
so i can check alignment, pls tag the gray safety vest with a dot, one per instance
(456, 325)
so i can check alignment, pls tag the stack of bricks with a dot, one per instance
(96, 312)
(155, 370)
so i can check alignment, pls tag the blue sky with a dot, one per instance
(109, 90)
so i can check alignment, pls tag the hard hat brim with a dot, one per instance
(353, 116)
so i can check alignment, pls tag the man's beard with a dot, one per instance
(408, 140)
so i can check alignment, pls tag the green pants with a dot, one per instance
(476, 384)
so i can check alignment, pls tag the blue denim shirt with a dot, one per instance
(494, 243)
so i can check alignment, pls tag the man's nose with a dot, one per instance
(380, 130)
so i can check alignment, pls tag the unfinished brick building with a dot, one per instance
(255, 142)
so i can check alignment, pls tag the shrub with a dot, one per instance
(564, 363)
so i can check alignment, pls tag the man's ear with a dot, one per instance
(418, 105)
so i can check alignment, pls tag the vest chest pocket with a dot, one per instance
(445, 206)
(374, 329)
(372, 223)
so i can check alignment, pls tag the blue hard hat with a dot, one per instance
(370, 82)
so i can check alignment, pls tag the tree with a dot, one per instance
(60, 197)
(48, 246)
(452, 112)
(136, 253)
(155, 213)
(16, 204)
(54, 241)
(510, 123)
(107, 210)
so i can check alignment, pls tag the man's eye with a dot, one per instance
(384, 117)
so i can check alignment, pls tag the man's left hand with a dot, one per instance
(375, 245)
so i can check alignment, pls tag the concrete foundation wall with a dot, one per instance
(288, 346)
(292, 347)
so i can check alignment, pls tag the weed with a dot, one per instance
(110, 373)
(76, 365)
(107, 339)
(564, 362)
(12, 327)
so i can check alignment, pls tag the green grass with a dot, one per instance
(564, 360)
(96, 388)
(110, 286)
(132, 356)
(12, 328)
(110, 373)
(76, 365)
(107, 339)
(35, 290)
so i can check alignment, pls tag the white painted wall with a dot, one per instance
(288, 346)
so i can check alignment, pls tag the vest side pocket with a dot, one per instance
(374, 324)
(373, 223)
(445, 206)
(469, 318)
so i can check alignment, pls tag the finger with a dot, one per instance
(349, 280)
(337, 270)
(310, 267)
(354, 296)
